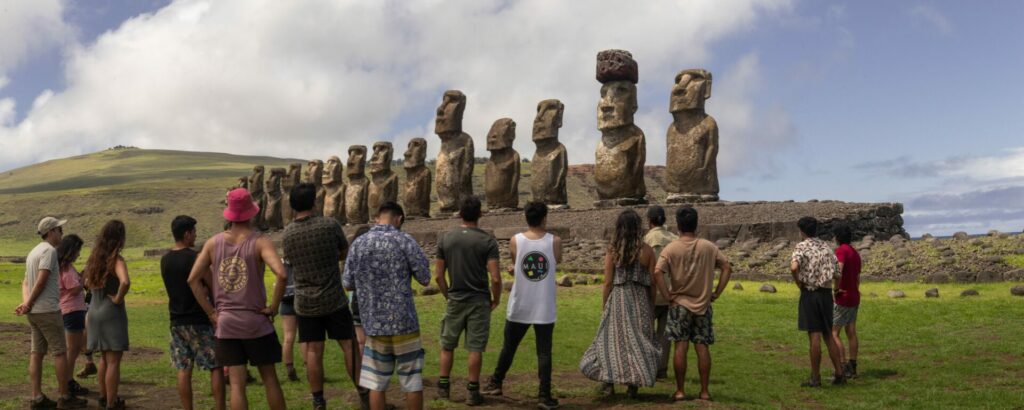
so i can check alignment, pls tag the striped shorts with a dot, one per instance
(383, 355)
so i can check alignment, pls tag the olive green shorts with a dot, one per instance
(472, 317)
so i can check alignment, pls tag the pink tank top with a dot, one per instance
(238, 290)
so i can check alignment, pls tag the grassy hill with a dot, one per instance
(147, 188)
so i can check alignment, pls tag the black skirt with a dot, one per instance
(815, 312)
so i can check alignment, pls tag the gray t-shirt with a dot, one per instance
(44, 256)
(465, 252)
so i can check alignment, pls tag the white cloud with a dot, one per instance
(4, 81)
(308, 79)
(29, 27)
(933, 17)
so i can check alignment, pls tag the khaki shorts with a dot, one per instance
(473, 318)
(47, 333)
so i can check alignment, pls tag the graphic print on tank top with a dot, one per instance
(535, 266)
(233, 274)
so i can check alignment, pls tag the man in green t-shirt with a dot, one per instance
(657, 238)
(468, 255)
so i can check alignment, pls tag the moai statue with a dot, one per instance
(291, 179)
(334, 190)
(272, 214)
(357, 187)
(383, 182)
(416, 192)
(501, 178)
(258, 195)
(622, 152)
(243, 182)
(692, 174)
(455, 161)
(314, 175)
(550, 163)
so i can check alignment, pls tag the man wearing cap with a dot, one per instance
(41, 303)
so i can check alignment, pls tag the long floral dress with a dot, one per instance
(624, 350)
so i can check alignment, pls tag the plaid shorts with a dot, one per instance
(193, 345)
(383, 355)
(684, 325)
(843, 315)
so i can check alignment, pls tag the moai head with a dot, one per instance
(293, 177)
(449, 113)
(332, 171)
(256, 179)
(692, 88)
(274, 182)
(356, 161)
(315, 172)
(381, 159)
(415, 153)
(548, 120)
(501, 135)
(243, 182)
(618, 74)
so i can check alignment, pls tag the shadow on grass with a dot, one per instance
(878, 374)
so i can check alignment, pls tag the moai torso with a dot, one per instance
(622, 152)
(314, 175)
(291, 179)
(357, 188)
(455, 160)
(692, 174)
(256, 190)
(550, 164)
(383, 182)
(501, 177)
(272, 214)
(416, 191)
(334, 190)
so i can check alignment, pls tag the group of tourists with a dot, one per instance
(658, 288)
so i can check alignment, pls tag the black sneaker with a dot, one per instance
(811, 383)
(77, 389)
(838, 380)
(474, 399)
(292, 375)
(852, 373)
(493, 388)
(547, 403)
(662, 374)
(632, 391)
(42, 402)
(320, 404)
(364, 398)
(607, 389)
(71, 402)
(444, 390)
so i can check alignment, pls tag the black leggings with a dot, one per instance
(514, 333)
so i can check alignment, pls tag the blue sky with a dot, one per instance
(917, 102)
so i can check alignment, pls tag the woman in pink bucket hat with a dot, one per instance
(241, 207)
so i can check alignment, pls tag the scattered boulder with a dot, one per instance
(927, 236)
(947, 261)
(994, 232)
(969, 292)
(768, 288)
(931, 293)
(723, 243)
(580, 280)
(1014, 275)
(961, 236)
(737, 286)
(1017, 290)
(896, 294)
(993, 259)
(947, 253)
(565, 282)
(146, 210)
(430, 290)
(976, 242)
(596, 280)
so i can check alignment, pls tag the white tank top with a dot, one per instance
(533, 293)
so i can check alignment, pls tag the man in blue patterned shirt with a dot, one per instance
(378, 267)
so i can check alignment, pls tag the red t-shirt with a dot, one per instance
(850, 281)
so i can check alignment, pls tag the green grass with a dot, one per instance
(915, 352)
(1015, 260)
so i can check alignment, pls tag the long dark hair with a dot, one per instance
(68, 250)
(104, 254)
(628, 240)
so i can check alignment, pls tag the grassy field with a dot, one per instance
(915, 352)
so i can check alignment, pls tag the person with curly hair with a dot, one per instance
(106, 277)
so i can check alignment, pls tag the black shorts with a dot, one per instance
(336, 326)
(815, 312)
(355, 310)
(286, 309)
(260, 351)
(74, 322)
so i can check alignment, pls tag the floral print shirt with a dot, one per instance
(379, 267)
(817, 263)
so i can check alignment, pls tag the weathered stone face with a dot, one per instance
(502, 134)
(692, 174)
(381, 159)
(273, 211)
(692, 88)
(356, 161)
(314, 172)
(502, 173)
(548, 120)
(332, 171)
(256, 180)
(617, 105)
(415, 153)
(292, 178)
(274, 182)
(449, 113)
(243, 182)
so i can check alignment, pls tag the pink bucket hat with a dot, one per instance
(240, 208)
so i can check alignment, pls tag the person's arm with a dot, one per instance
(660, 269)
(840, 258)
(417, 260)
(557, 244)
(196, 281)
(342, 244)
(609, 276)
(794, 268)
(41, 277)
(121, 270)
(440, 277)
(347, 277)
(512, 252)
(647, 256)
(269, 255)
(24, 290)
(494, 268)
(723, 278)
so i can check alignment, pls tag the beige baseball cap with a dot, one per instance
(49, 223)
